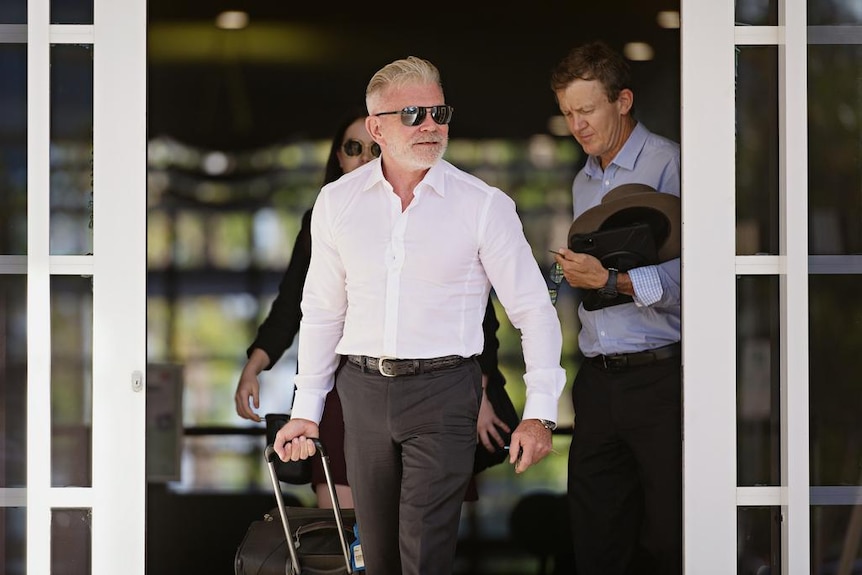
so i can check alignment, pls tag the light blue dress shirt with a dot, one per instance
(653, 319)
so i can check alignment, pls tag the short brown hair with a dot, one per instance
(593, 61)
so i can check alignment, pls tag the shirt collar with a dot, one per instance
(433, 180)
(627, 155)
(630, 151)
(376, 175)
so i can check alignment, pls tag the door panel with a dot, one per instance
(72, 286)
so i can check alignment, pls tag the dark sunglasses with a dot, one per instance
(555, 276)
(415, 115)
(355, 148)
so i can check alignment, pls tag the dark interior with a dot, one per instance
(290, 75)
(229, 90)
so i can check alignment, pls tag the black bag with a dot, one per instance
(505, 410)
(298, 540)
(293, 472)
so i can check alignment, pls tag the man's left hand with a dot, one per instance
(531, 442)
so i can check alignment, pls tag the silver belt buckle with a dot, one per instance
(382, 370)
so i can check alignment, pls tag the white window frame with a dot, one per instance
(709, 37)
(118, 268)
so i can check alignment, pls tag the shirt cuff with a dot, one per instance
(544, 388)
(646, 284)
(308, 404)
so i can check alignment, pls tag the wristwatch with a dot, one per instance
(548, 424)
(609, 290)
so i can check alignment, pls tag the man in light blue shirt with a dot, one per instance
(625, 461)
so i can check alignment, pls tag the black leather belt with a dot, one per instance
(391, 367)
(638, 359)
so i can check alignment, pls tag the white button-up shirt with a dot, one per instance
(414, 284)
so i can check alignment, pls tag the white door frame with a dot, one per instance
(118, 267)
(712, 498)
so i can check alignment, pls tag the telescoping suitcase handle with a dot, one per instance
(270, 456)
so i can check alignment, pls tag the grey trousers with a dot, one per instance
(409, 446)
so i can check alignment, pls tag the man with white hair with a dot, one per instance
(405, 251)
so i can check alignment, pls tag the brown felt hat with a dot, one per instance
(630, 204)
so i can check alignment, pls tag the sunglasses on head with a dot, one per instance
(355, 148)
(415, 115)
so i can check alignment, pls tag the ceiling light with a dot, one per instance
(668, 19)
(638, 51)
(232, 20)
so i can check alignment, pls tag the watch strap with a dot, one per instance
(609, 290)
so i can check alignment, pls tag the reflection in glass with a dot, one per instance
(835, 545)
(209, 381)
(71, 381)
(757, 150)
(835, 395)
(756, 13)
(835, 149)
(13, 148)
(71, 224)
(758, 381)
(71, 11)
(213, 325)
(159, 239)
(834, 12)
(230, 240)
(190, 240)
(13, 381)
(13, 12)
(13, 526)
(759, 540)
(158, 324)
(71, 541)
(273, 232)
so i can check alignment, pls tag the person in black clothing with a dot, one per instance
(351, 147)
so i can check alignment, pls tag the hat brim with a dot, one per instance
(631, 204)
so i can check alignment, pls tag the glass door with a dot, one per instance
(72, 286)
(772, 198)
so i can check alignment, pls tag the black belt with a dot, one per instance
(391, 367)
(638, 359)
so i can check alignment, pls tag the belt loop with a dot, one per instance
(416, 367)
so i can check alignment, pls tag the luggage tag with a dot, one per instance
(357, 561)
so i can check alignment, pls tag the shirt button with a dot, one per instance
(607, 182)
(603, 334)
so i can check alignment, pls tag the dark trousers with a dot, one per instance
(625, 470)
(409, 445)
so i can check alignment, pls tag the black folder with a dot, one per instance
(622, 248)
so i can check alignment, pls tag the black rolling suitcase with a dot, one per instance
(298, 540)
